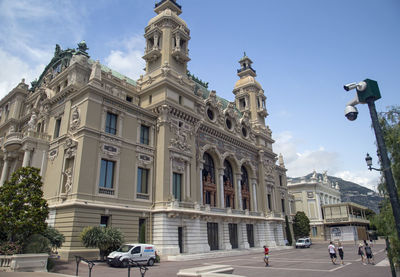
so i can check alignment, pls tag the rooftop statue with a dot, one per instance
(82, 46)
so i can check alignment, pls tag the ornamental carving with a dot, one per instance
(178, 165)
(53, 154)
(75, 120)
(144, 160)
(70, 148)
(110, 140)
(230, 110)
(110, 150)
(180, 140)
(68, 183)
(268, 168)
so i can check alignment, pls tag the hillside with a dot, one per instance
(352, 192)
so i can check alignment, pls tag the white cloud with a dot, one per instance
(363, 178)
(13, 69)
(301, 163)
(127, 59)
(27, 32)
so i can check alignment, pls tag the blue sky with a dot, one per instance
(303, 52)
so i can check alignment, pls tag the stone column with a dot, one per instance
(254, 197)
(319, 206)
(27, 156)
(239, 192)
(221, 187)
(4, 173)
(201, 183)
(187, 180)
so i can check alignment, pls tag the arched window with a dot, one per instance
(208, 169)
(245, 189)
(245, 178)
(228, 174)
(229, 190)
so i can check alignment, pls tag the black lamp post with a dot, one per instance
(367, 93)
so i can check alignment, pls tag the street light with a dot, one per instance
(367, 93)
(368, 160)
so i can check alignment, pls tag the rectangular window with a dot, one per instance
(104, 221)
(177, 186)
(280, 180)
(144, 134)
(111, 123)
(142, 180)
(314, 231)
(269, 202)
(57, 128)
(107, 174)
(283, 205)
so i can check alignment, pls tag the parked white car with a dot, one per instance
(303, 242)
(141, 253)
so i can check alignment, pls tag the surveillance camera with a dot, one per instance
(350, 86)
(351, 113)
(361, 86)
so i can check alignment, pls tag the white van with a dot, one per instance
(141, 253)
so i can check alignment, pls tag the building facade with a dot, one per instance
(345, 222)
(309, 196)
(162, 158)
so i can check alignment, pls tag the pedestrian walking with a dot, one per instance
(361, 252)
(266, 255)
(341, 253)
(368, 253)
(332, 252)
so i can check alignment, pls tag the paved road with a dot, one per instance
(308, 262)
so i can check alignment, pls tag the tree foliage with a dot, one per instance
(106, 239)
(301, 225)
(23, 210)
(288, 233)
(55, 238)
(384, 222)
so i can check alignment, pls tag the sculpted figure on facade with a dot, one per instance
(68, 183)
(32, 122)
(75, 119)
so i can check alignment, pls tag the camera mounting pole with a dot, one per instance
(368, 95)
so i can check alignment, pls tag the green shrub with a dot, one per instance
(54, 236)
(37, 244)
(106, 239)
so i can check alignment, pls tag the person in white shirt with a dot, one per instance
(332, 252)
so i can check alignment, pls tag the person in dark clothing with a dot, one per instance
(368, 253)
(341, 253)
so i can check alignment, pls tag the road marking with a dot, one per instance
(340, 267)
(279, 268)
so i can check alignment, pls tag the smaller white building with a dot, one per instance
(309, 196)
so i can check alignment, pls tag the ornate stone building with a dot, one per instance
(309, 197)
(162, 158)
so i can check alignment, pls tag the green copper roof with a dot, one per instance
(114, 73)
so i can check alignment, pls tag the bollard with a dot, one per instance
(90, 265)
(78, 260)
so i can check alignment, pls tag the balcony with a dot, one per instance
(37, 135)
(152, 54)
(346, 219)
(180, 55)
(175, 207)
(13, 141)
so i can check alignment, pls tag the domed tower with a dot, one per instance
(249, 95)
(167, 37)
